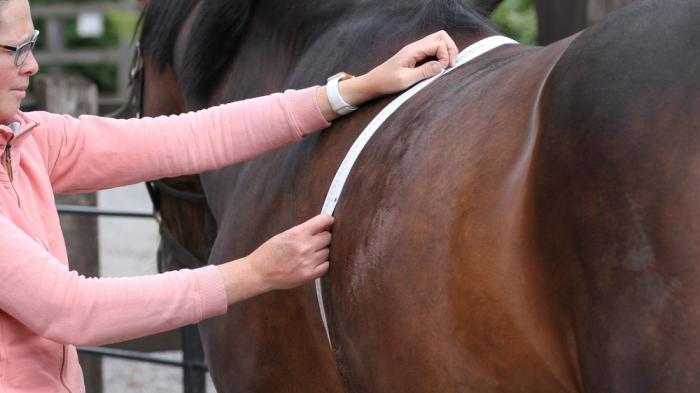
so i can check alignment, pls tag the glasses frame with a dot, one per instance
(21, 47)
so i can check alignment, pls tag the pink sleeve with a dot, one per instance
(91, 153)
(40, 292)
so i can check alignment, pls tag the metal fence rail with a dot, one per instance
(144, 357)
(94, 211)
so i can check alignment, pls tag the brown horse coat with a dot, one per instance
(526, 224)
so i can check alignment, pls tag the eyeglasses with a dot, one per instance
(22, 50)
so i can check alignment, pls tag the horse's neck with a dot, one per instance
(297, 46)
(392, 21)
(315, 11)
(312, 41)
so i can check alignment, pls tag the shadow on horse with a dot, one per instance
(528, 223)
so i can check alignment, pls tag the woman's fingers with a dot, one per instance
(452, 50)
(320, 241)
(400, 71)
(320, 223)
(316, 232)
(440, 45)
(320, 270)
(322, 255)
(436, 49)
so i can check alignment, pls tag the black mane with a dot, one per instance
(160, 23)
(219, 24)
(212, 42)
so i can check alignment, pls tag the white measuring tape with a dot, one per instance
(468, 54)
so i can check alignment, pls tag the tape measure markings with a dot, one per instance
(468, 54)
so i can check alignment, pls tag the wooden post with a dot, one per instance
(598, 9)
(559, 19)
(55, 42)
(71, 95)
(76, 96)
(562, 18)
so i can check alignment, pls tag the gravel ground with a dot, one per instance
(128, 248)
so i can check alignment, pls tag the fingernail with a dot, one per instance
(435, 67)
(453, 60)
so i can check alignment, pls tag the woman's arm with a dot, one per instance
(289, 259)
(398, 73)
(58, 304)
(92, 152)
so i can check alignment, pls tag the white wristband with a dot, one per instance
(338, 104)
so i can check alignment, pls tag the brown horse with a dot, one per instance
(179, 203)
(526, 224)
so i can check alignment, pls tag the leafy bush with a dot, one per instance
(517, 19)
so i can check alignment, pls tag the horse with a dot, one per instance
(528, 223)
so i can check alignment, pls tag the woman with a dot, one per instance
(46, 309)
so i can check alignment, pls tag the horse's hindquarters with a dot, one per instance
(619, 199)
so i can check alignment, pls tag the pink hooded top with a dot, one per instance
(46, 309)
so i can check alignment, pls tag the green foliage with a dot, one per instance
(517, 19)
(123, 23)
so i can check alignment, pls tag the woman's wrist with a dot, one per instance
(400, 72)
(355, 91)
(358, 90)
(324, 105)
(241, 281)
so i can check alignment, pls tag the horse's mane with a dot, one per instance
(219, 25)
(212, 42)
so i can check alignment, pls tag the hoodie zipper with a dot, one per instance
(63, 369)
(8, 166)
(10, 175)
(8, 160)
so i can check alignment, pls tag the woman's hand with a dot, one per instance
(398, 73)
(290, 259)
(401, 71)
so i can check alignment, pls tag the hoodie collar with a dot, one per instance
(24, 125)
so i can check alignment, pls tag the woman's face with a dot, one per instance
(16, 27)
